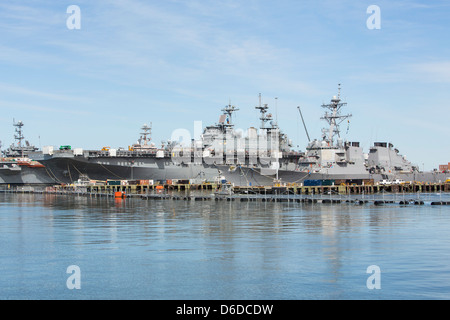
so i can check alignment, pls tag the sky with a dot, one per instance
(171, 63)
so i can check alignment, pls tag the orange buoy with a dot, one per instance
(119, 194)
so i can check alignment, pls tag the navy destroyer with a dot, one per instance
(259, 156)
(332, 160)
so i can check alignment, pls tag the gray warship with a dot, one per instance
(16, 168)
(331, 160)
(259, 157)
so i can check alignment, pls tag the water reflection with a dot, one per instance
(247, 249)
(223, 219)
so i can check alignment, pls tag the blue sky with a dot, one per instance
(175, 62)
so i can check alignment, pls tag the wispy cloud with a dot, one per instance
(24, 20)
(39, 108)
(39, 94)
(22, 56)
(433, 71)
(162, 47)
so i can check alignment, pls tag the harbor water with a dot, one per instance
(222, 250)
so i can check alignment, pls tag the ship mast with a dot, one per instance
(147, 130)
(228, 112)
(264, 118)
(19, 135)
(334, 118)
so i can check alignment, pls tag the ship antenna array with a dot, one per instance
(19, 135)
(228, 111)
(147, 130)
(334, 118)
(263, 110)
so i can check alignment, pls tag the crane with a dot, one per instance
(299, 110)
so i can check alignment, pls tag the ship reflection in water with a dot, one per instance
(141, 249)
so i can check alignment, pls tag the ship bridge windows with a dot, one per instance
(352, 144)
(380, 144)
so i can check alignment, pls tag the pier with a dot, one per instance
(292, 189)
(348, 189)
(401, 194)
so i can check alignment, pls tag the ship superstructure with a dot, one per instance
(331, 155)
(144, 143)
(16, 168)
(384, 158)
(333, 158)
(19, 149)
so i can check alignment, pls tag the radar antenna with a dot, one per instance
(147, 130)
(228, 111)
(19, 135)
(263, 110)
(334, 118)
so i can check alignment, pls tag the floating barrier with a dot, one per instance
(308, 201)
(440, 203)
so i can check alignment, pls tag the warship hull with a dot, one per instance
(25, 176)
(70, 169)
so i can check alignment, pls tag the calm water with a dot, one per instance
(149, 249)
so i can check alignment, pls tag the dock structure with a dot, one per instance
(308, 195)
(145, 189)
(347, 189)
(277, 190)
